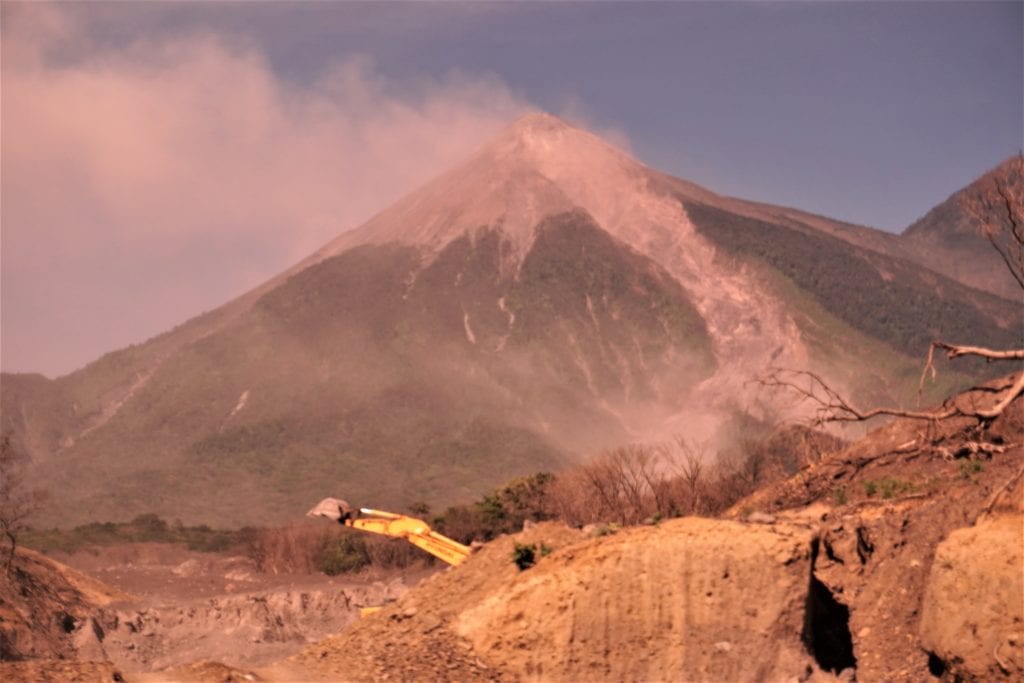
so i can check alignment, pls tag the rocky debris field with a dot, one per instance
(251, 629)
(50, 611)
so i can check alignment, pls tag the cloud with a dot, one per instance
(144, 184)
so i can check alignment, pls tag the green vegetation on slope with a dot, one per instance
(892, 300)
(145, 528)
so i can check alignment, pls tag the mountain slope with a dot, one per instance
(407, 381)
(546, 299)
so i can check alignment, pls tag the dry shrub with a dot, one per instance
(571, 500)
(504, 510)
(330, 549)
(625, 485)
(757, 462)
(464, 523)
(630, 484)
(293, 549)
(394, 553)
(689, 486)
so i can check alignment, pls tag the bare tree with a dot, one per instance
(17, 503)
(690, 464)
(996, 207)
(625, 485)
(620, 479)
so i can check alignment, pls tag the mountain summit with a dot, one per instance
(537, 167)
(547, 298)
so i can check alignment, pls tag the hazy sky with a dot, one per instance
(159, 159)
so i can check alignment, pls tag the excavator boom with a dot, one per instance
(415, 531)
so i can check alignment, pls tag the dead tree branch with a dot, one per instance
(955, 351)
(831, 406)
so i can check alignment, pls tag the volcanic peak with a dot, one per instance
(536, 124)
(537, 167)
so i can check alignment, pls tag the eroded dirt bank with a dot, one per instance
(690, 599)
(185, 607)
(245, 630)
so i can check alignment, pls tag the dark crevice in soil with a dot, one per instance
(830, 553)
(936, 667)
(827, 625)
(827, 629)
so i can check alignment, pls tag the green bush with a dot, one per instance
(839, 496)
(342, 554)
(524, 556)
(887, 486)
(502, 511)
(147, 528)
(969, 469)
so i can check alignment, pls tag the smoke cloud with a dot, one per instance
(144, 184)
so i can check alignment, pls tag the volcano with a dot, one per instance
(548, 298)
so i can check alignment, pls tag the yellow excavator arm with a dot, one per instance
(415, 531)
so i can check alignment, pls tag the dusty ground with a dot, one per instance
(158, 606)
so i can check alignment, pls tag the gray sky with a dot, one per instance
(159, 159)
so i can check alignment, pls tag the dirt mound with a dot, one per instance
(43, 604)
(690, 599)
(407, 641)
(973, 616)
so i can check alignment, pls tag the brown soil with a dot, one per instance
(690, 599)
(42, 603)
(973, 611)
(876, 551)
(59, 671)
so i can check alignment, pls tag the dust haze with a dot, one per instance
(144, 185)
